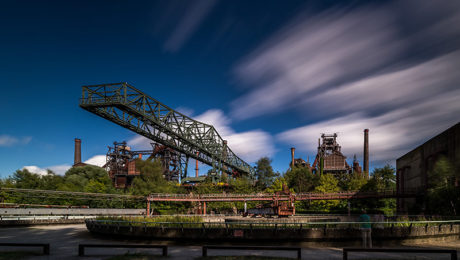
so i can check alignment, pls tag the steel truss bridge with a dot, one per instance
(269, 197)
(128, 107)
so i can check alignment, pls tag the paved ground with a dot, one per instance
(64, 240)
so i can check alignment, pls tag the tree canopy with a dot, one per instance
(264, 173)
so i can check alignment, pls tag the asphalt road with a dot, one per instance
(64, 240)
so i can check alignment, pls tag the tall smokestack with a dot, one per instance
(197, 169)
(366, 152)
(292, 157)
(77, 155)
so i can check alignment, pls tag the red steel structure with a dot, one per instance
(221, 197)
(268, 197)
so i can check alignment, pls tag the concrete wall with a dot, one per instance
(347, 236)
(412, 168)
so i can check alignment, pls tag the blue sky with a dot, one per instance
(268, 74)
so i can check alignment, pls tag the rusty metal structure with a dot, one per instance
(278, 207)
(281, 197)
(121, 163)
(356, 167)
(299, 162)
(128, 107)
(329, 159)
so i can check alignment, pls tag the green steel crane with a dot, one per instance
(128, 107)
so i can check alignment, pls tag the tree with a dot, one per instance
(78, 178)
(24, 179)
(381, 179)
(353, 182)
(327, 183)
(300, 179)
(241, 185)
(443, 197)
(151, 179)
(264, 173)
(277, 185)
(51, 181)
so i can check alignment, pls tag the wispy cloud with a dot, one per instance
(58, 169)
(421, 83)
(98, 160)
(391, 134)
(250, 145)
(193, 17)
(140, 142)
(8, 140)
(312, 53)
(348, 70)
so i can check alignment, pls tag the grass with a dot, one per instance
(17, 255)
(171, 219)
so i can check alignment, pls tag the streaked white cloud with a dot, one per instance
(8, 140)
(348, 70)
(140, 142)
(193, 17)
(391, 135)
(315, 52)
(391, 91)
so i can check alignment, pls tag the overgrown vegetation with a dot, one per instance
(172, 219)
(443, 196)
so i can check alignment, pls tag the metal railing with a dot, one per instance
(297, 196)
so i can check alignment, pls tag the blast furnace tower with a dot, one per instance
(329, 158)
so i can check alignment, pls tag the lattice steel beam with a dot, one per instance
(126, 106)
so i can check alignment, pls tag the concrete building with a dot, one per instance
(413, 167)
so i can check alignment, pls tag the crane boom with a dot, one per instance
(128, 107)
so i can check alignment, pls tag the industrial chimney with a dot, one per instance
(77, 155)
(366, 152)
(197, 169)
(292, 157)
